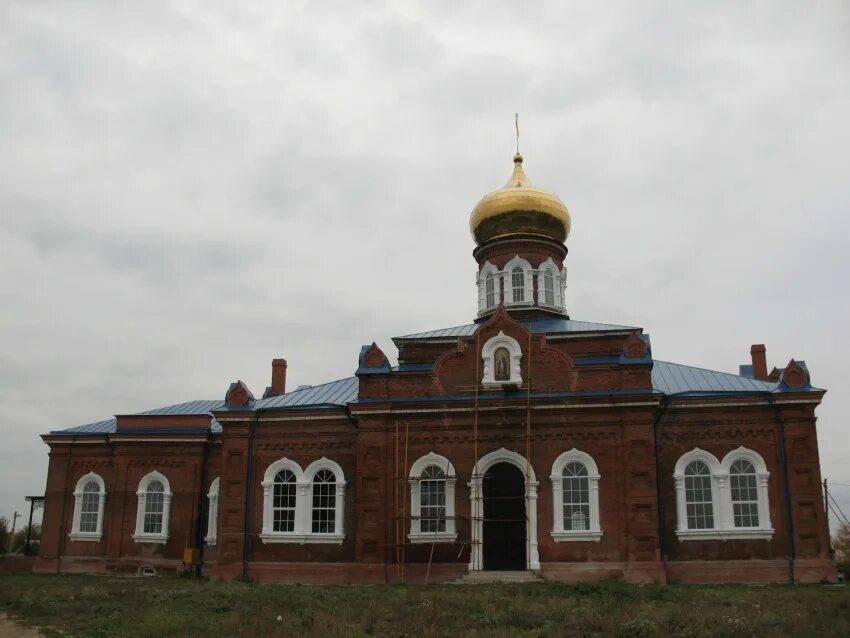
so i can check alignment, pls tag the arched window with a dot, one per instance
(575, 494)
(576, 497)
(89, 497)
(518, 284)
(745, 501)
(432, 494)
(749, 511)
(698, 496)
(548, 288)
(212, 514)
(154, 505)
(284, 502)
(303, 507)
(490, 290)
(324, 502)
(727, 500)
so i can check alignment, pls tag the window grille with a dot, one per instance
(549, 288)
(432, 492)
(576, 497)
(518, 284)
(90, 507)
(490, 288)
(742, 480)
(283, 502)
(324, 502)
(154, 508)
(698, 497)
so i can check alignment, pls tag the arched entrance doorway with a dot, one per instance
(522, 482)
(504, 525)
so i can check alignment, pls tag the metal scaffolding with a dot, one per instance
(403, 517)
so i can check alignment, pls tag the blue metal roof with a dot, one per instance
(335, 393)
(673, 379)
(109, 426)
(668, 378)
(190, 407)
(548, 326)
(98, 427)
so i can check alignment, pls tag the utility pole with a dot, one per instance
(12, 535)
(826, 516)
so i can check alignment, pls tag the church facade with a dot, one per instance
(523, 440)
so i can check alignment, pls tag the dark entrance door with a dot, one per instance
(504, 518)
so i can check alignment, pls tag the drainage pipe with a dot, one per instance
(783, 458)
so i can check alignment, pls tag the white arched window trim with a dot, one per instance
(528, 282)
(488, 269)
(339, 502)
(416, 470)
(302, 532)
(146, 537)
(212, 514)
(501, 340)
(76, 534)
(559, 534)
(724, 525)
(558, 284)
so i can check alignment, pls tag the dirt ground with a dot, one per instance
(8, 629)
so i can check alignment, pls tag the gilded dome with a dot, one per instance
(518, 208)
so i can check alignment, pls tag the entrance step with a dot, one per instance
(474, 578)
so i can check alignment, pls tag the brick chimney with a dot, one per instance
(757, 352)
(278, 378)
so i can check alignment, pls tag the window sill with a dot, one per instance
(562, 537)
(302, 539)
(499, 385)
(724, 534)
(418, 538)
(91, 537)
(159, 539)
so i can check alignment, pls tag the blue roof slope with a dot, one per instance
(668, 378)
(109, 426)
(548, 326)
(328, 394)
(674, 378)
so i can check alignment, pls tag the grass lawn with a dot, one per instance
(170, 606)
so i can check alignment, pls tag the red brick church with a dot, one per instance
(524, 440)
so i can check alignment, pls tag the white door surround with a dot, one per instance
(476, 497)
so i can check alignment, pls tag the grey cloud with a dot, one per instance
(188, 191)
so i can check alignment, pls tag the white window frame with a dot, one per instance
(559, 534)
(212, 514)
(544, 273)
(339, 505)
(764, 529)
(140, 536)
(416, 534)
(528, 282)
(303, 524)
(721, 492)
(488, 352)
(488, 269)
(559, 277)
(97, 535)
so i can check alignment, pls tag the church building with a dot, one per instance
(522, 441)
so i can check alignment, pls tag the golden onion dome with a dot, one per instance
(518, 208)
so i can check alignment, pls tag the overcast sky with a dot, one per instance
(190, 189)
